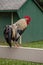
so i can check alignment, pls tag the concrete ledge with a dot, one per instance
(22, 53)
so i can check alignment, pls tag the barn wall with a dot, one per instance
(34, 31)
(15, 17)
(5, 19)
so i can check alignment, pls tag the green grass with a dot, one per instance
(17, 62)
(38, 44)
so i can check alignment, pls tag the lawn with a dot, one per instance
(38, 44)
(17, 62)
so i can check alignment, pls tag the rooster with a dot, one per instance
(14, 31)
